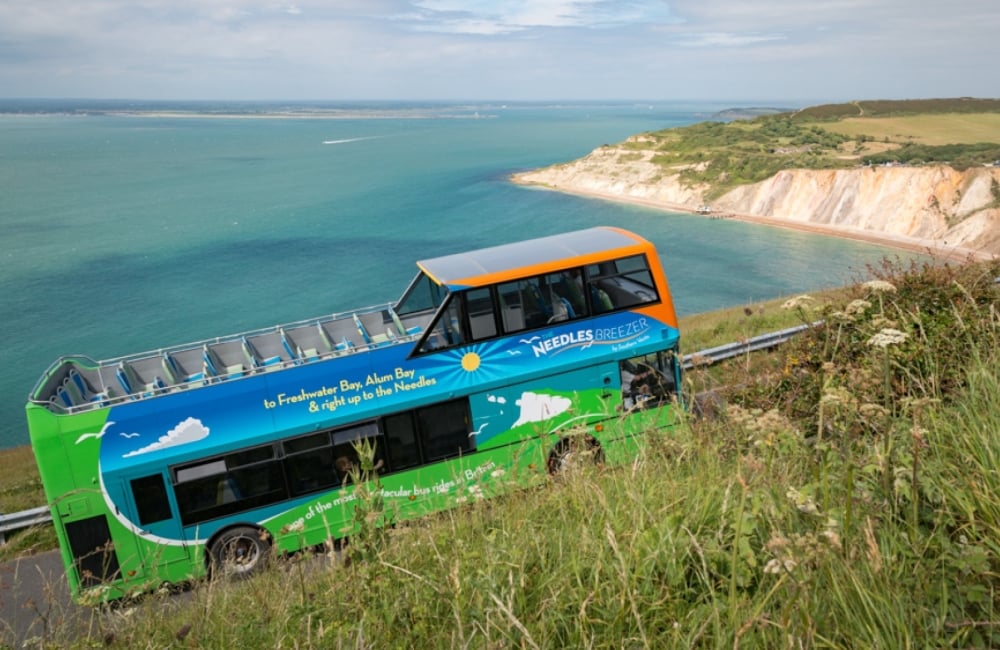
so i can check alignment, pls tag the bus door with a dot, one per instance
(160, 536)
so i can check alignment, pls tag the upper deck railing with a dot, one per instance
(76, 383)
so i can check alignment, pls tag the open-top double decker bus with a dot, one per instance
(162, 466)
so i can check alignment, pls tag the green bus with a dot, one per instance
(488, 372)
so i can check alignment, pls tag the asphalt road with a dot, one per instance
(34, 600)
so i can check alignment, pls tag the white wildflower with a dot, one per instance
(803, 502)
(883, 323)
(797, 301)
(887, 337)
(497, 473)
(831, 537)
(858, 306)
(836, 396)
(870, 410)
(880, 286)
(775, 565)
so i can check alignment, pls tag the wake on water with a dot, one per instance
(368, 137)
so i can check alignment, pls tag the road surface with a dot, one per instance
(34, 600)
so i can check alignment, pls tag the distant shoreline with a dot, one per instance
(275, 115)
(931, 247)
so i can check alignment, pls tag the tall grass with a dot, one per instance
(848, 497)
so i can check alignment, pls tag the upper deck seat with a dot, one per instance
(215, 367)
(253, 358)
(87, 393)
(175, 374)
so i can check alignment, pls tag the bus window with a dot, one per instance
(482, 316)
(620, 284)
(524, 307)
(648, 380)
(246, 479)
(447, 330)
(348, 441)
(444, 429)
(423, 294)
(568, 285)
(309, 463)
(151, 503)
(563, 293)
(542, 300)
(401, 439)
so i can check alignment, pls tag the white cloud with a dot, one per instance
(517, 49)
(724, 39)
(190, 430)
(488, 17)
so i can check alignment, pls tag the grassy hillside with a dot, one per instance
(897, 107)
(962, 133)
(847, 497)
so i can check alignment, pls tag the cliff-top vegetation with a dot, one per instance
(847, 497)
(721, 155)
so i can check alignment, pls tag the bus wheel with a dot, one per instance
(574, 452)
(240, 551)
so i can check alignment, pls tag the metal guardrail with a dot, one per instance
(24, 519)
(42, 515)
(730, 350)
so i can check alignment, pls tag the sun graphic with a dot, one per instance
(470, 361)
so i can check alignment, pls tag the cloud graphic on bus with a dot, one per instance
(535, 407)
(190, 430)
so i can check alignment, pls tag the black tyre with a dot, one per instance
(240, 552)
(574, 452)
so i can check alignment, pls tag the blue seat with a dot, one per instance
(86, 392)
(361, 330)
(122, 377)
(400, 327)
(175, 374)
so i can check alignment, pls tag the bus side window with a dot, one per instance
(151, 503)
(482, 317)
(569, 285)
(401, 441)
(444, 429)
(447, 330)
(511, 307)
(626, 282)
(648, 380)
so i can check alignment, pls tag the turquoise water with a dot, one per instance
(125, 233)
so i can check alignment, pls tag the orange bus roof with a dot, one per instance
(518, 259)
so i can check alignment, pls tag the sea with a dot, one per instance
(130, 226)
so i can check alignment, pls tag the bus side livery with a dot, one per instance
(164, 465)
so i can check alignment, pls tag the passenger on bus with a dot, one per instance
(346, 467)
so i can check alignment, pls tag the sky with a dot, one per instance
(515, 50)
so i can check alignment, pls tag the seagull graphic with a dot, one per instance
(531, 340)
(129, 435)
(99, 435)
(479, 430)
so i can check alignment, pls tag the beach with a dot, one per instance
(932, 247)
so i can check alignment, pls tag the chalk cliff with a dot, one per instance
(934, 205)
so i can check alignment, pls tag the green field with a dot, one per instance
(931, 129)
(724, 155)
